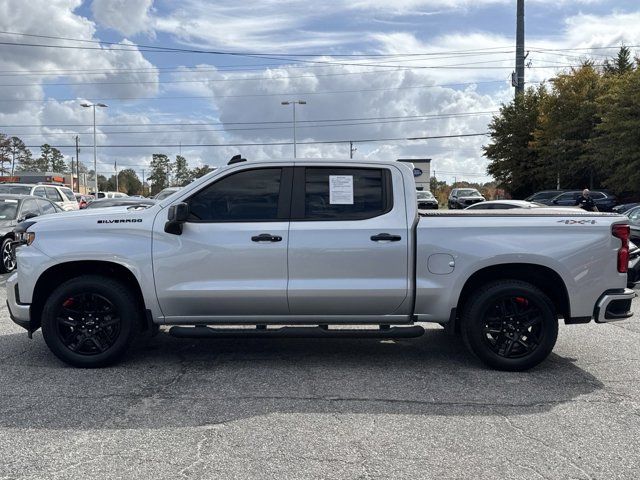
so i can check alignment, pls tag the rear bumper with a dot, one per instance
(20, 313)
(614, 305)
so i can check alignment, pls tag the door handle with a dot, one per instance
(386, 237)
(266, 237)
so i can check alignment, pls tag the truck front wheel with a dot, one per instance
(510, 325)
(90, 321)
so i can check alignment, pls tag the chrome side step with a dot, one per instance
(296, 332)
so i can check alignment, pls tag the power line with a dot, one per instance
(314, 142)
(284, 127)
(253, 95)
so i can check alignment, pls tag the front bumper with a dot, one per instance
(20, 313)
(614, 305)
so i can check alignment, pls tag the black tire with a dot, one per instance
(90, 321)
(509, 325)
(8, 263)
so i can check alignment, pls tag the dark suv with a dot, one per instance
(604, 200)
(463, 197)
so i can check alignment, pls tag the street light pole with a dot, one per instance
(95, 151)
(294, 102)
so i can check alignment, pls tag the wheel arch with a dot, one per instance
(542, 277)
(60, 273)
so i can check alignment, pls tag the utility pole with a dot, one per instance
(95, 154)
(72, 182)
(115, 166)
(352, 149)
(77, 162)
(143, 182)
(518, 82)
(294, 103)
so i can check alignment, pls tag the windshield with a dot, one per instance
(8, 209)
(425, 195)
(16, 189)
(468, 192)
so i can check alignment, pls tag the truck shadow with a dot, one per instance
(168, 382)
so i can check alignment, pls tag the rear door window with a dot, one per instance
(52, 194)
(40, 192)
(69, 194)
(325, 193)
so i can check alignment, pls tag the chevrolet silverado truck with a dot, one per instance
(315, 248)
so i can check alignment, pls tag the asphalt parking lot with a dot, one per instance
(243, 409)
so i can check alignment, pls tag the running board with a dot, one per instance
(295, 332)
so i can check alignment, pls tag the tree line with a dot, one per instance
(16, 157)
(581, 130)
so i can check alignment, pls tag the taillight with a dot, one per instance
(622, 232)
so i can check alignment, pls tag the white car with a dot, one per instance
(504, 205)
(58, 194)
(315, 245)
(111, 195)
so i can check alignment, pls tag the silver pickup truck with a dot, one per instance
(315, 248)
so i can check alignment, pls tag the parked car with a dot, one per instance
(61, 195)
(634, 223)
(121, 202)
(544, 196)
(83, 200)
(13, 210)
(426, 200)
(111, 195)
(166, 192)
(278, 242)
(504, 205)
(463, 197)
(605, 201)
(633, 275)
(624, 207)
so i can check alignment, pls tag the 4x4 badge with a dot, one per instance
(578, 222)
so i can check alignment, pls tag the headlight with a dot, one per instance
(25, 238)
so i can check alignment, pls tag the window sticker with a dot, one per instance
(341, 189)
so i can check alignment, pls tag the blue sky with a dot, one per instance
(436, 94)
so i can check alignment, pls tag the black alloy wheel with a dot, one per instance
(513, 326)
(90, 321)
(510, 325)
(8, 256)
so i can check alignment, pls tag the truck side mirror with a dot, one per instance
(30, 215)
(178, 214)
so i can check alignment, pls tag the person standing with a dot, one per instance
(586, 202)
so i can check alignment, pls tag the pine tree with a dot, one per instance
(182, 174)
(5, 155)
(621, 64)
(21, 156)
(160, 169)
(57, 165)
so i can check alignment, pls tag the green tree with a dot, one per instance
(57, 165)
(622, 63)
(616, 143)
(567, 123)
(198, 172)
(514, 162)
(5, 155)
(106, 185)
(160, 168)
(128, 182)
(20, 155)
(181, 173)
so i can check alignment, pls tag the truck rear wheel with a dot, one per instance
(90, 321)
(510, 325)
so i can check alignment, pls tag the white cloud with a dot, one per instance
(126, 16)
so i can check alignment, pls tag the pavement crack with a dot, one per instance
(559, 453)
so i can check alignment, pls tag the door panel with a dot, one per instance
(216, 269)
(220, 265)
(335, 267)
